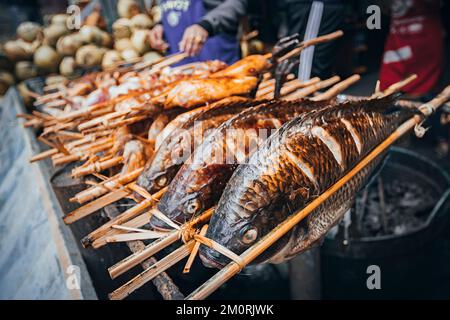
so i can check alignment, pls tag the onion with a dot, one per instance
(6, 80)
(122, 28)
(53, 32)
(151, 56)
(123, 44)
(129, 54)
(127, 8)
(141, 21)
(25, 70)
(110, 58)
(67, 66)
(140, 41)
(29, 31)
(89, 56)
(46, 58)
(68, 45)
(17, 50)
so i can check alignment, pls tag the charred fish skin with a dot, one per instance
(304, 158)
(199, 183)
(161, 169)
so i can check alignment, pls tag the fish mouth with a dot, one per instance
(210, 259)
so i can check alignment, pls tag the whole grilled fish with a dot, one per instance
(178, 146)
(299, 162)
(199, 183)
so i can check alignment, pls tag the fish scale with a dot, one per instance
(285, 168)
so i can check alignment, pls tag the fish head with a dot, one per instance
(158, 173)
(194, 189)
(238, 223)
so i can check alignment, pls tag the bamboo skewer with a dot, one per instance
(96, 205)
(97, 167)
(337, 88)
(264, 243)
(395, 87)
(125, 237)
(151, 272)
(123, 217)
(312, 42)
(312, 88)
(118, 182)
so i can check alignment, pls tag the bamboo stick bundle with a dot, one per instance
(156, 246)
(264, 243)
(151, 272)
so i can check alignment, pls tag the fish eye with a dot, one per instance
(249, 235)
(161, 181)
(193, 206)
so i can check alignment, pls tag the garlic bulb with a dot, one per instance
(60, 19)
(17, 50)
(156, 14)
(123, 44)
(53, 32)
(68, 45)
(25, 70)
(141, 21)
(67, 66)
(47, 59)
(140, 41)
(110, 58)
(129, 55)
(29, 31)
(89, 56)
(122, 28)
(127, 8)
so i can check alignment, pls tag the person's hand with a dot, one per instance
(194, 38)
(156, 38)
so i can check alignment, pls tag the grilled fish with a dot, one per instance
(178, 146)
(199, 183)
(299, 162)
(192, 93)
